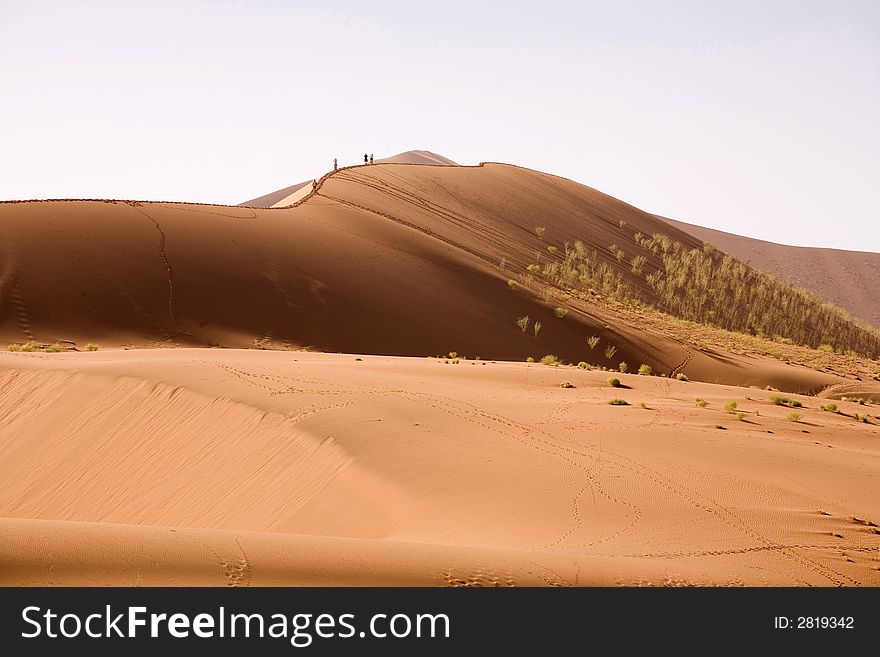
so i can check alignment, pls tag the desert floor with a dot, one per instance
(250, 467)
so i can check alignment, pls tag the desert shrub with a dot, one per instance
(614, 382)
(830, 407)
(618, 402)
(740, 416)
(583, 365)
(779, 400)
(610, 350)
(534, 269)
(453, 354)
(550, 359)
(593, 341)
(643, 405)
(540, 230)
(552, 249)
(793, 417)
(827, 348)
(566, 384)
(511, 283)
(622, 224)
(536, 327)
(54, 348)
(636, 264)
(681, 376)
(28, 347)
(730, 406)
(702, 403)
(523, 323)
(91, 346)
(560, 312)
(529, 359)
(645, 370)
(623, 367)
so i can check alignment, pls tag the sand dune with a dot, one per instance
(417, 157)
(256, 467)
(273, 198)
(319, 275)
(849, 279)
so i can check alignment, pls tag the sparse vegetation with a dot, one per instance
(623, 367)
(584, 365)
(540, 230)
(529, 359)
(26, 347)
(643, 405)
(523, 323)
(730, 406)
(681, 376)
(830, 407)
(511, 283)
(702, 403)
(779, 400)
(552, 249)
(614, 382)
(646, 370)
(534, 269)
(560, 312)
(610, 350)
(550, 359)
(740, 416)
(618, 402)
(794, 417)
(32, 346)
(91, 346)
(709, 287)
(536, 327)
(593, 341)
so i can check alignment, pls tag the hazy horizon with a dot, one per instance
(752, 118)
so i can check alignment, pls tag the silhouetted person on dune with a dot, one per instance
(371, 158)
(334, 164)
(365, 158)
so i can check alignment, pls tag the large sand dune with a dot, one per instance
(219, 467)
(390, 259)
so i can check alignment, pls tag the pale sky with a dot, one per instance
(760, 118)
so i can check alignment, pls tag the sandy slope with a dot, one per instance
(261, 467)
(849, 279)
(390, 259)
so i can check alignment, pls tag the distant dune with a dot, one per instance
(418, 157)
(268, 200)
(850, 279)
